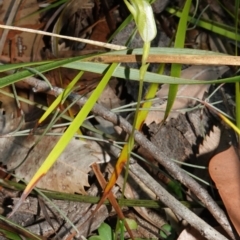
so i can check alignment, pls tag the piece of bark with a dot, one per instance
(75, 211)
(180, 137)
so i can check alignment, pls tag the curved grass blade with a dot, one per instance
(229, 123)
(61, 98)
(50, 6)
(121, 27)
(34, 71)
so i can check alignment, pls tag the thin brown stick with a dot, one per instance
(166, 198)
(111, 197)
(179, 209)
(96, 43)
(112, 200)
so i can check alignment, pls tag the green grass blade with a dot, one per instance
(61, 98)
(21, 229)
(153, 50)
(212, 26)
(69, 133)
(37, 73)
(10, 235)
(176, 68)
(52, 5)
(133, 74)
(121, 27)
(4, 81)
(12, 66)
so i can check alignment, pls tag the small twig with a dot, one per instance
(96, 43)
(170, 166)
(111, 198)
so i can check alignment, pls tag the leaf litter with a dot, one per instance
(70, 173)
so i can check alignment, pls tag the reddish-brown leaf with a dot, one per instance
(224, 169)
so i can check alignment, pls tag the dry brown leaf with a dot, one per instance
(210, 142)
(206, 151)
(194, 91)
(100, 33)
(22, 44)
(224, 169)
(69, 173)
(190, 234)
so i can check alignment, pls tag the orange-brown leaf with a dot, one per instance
(224, 169)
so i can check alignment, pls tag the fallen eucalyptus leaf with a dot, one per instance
(224, 169)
